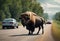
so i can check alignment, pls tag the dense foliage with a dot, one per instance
(13, 8)
(45, 16)
(57, 16)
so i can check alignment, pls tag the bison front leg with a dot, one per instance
(33, 29)
(42, 29)
(38, 30)
(29, 32)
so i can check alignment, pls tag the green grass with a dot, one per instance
(0, 25)
(56, 30)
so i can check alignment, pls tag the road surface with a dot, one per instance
(21, 34)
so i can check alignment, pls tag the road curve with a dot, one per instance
(21, 34)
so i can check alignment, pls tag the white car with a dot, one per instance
(9, 23)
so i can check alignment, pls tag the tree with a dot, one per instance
(38, 9)
(57, 16)
(32, 5)
(2, 15)
(13, 8)
(4, 10)
(45, 15)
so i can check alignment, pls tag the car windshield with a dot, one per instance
(8, 20)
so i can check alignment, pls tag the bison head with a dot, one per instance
(24, 18)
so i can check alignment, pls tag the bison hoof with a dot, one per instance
(37, 33)
(30, 33)
(42, 32)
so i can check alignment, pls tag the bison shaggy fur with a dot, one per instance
(32, 21)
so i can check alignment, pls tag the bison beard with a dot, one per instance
(30, 27)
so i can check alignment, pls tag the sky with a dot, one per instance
(50, 6)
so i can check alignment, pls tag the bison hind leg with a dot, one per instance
(42, 29)
(38, 30)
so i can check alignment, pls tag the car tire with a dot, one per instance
(17, 27)
(3, 27)
(13, 27)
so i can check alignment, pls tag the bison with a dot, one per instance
(32, 21)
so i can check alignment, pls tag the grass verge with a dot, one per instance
(0, 25)
(56, 30)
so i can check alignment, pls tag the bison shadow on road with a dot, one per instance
(24, 35)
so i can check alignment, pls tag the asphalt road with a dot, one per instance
(21, 34)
